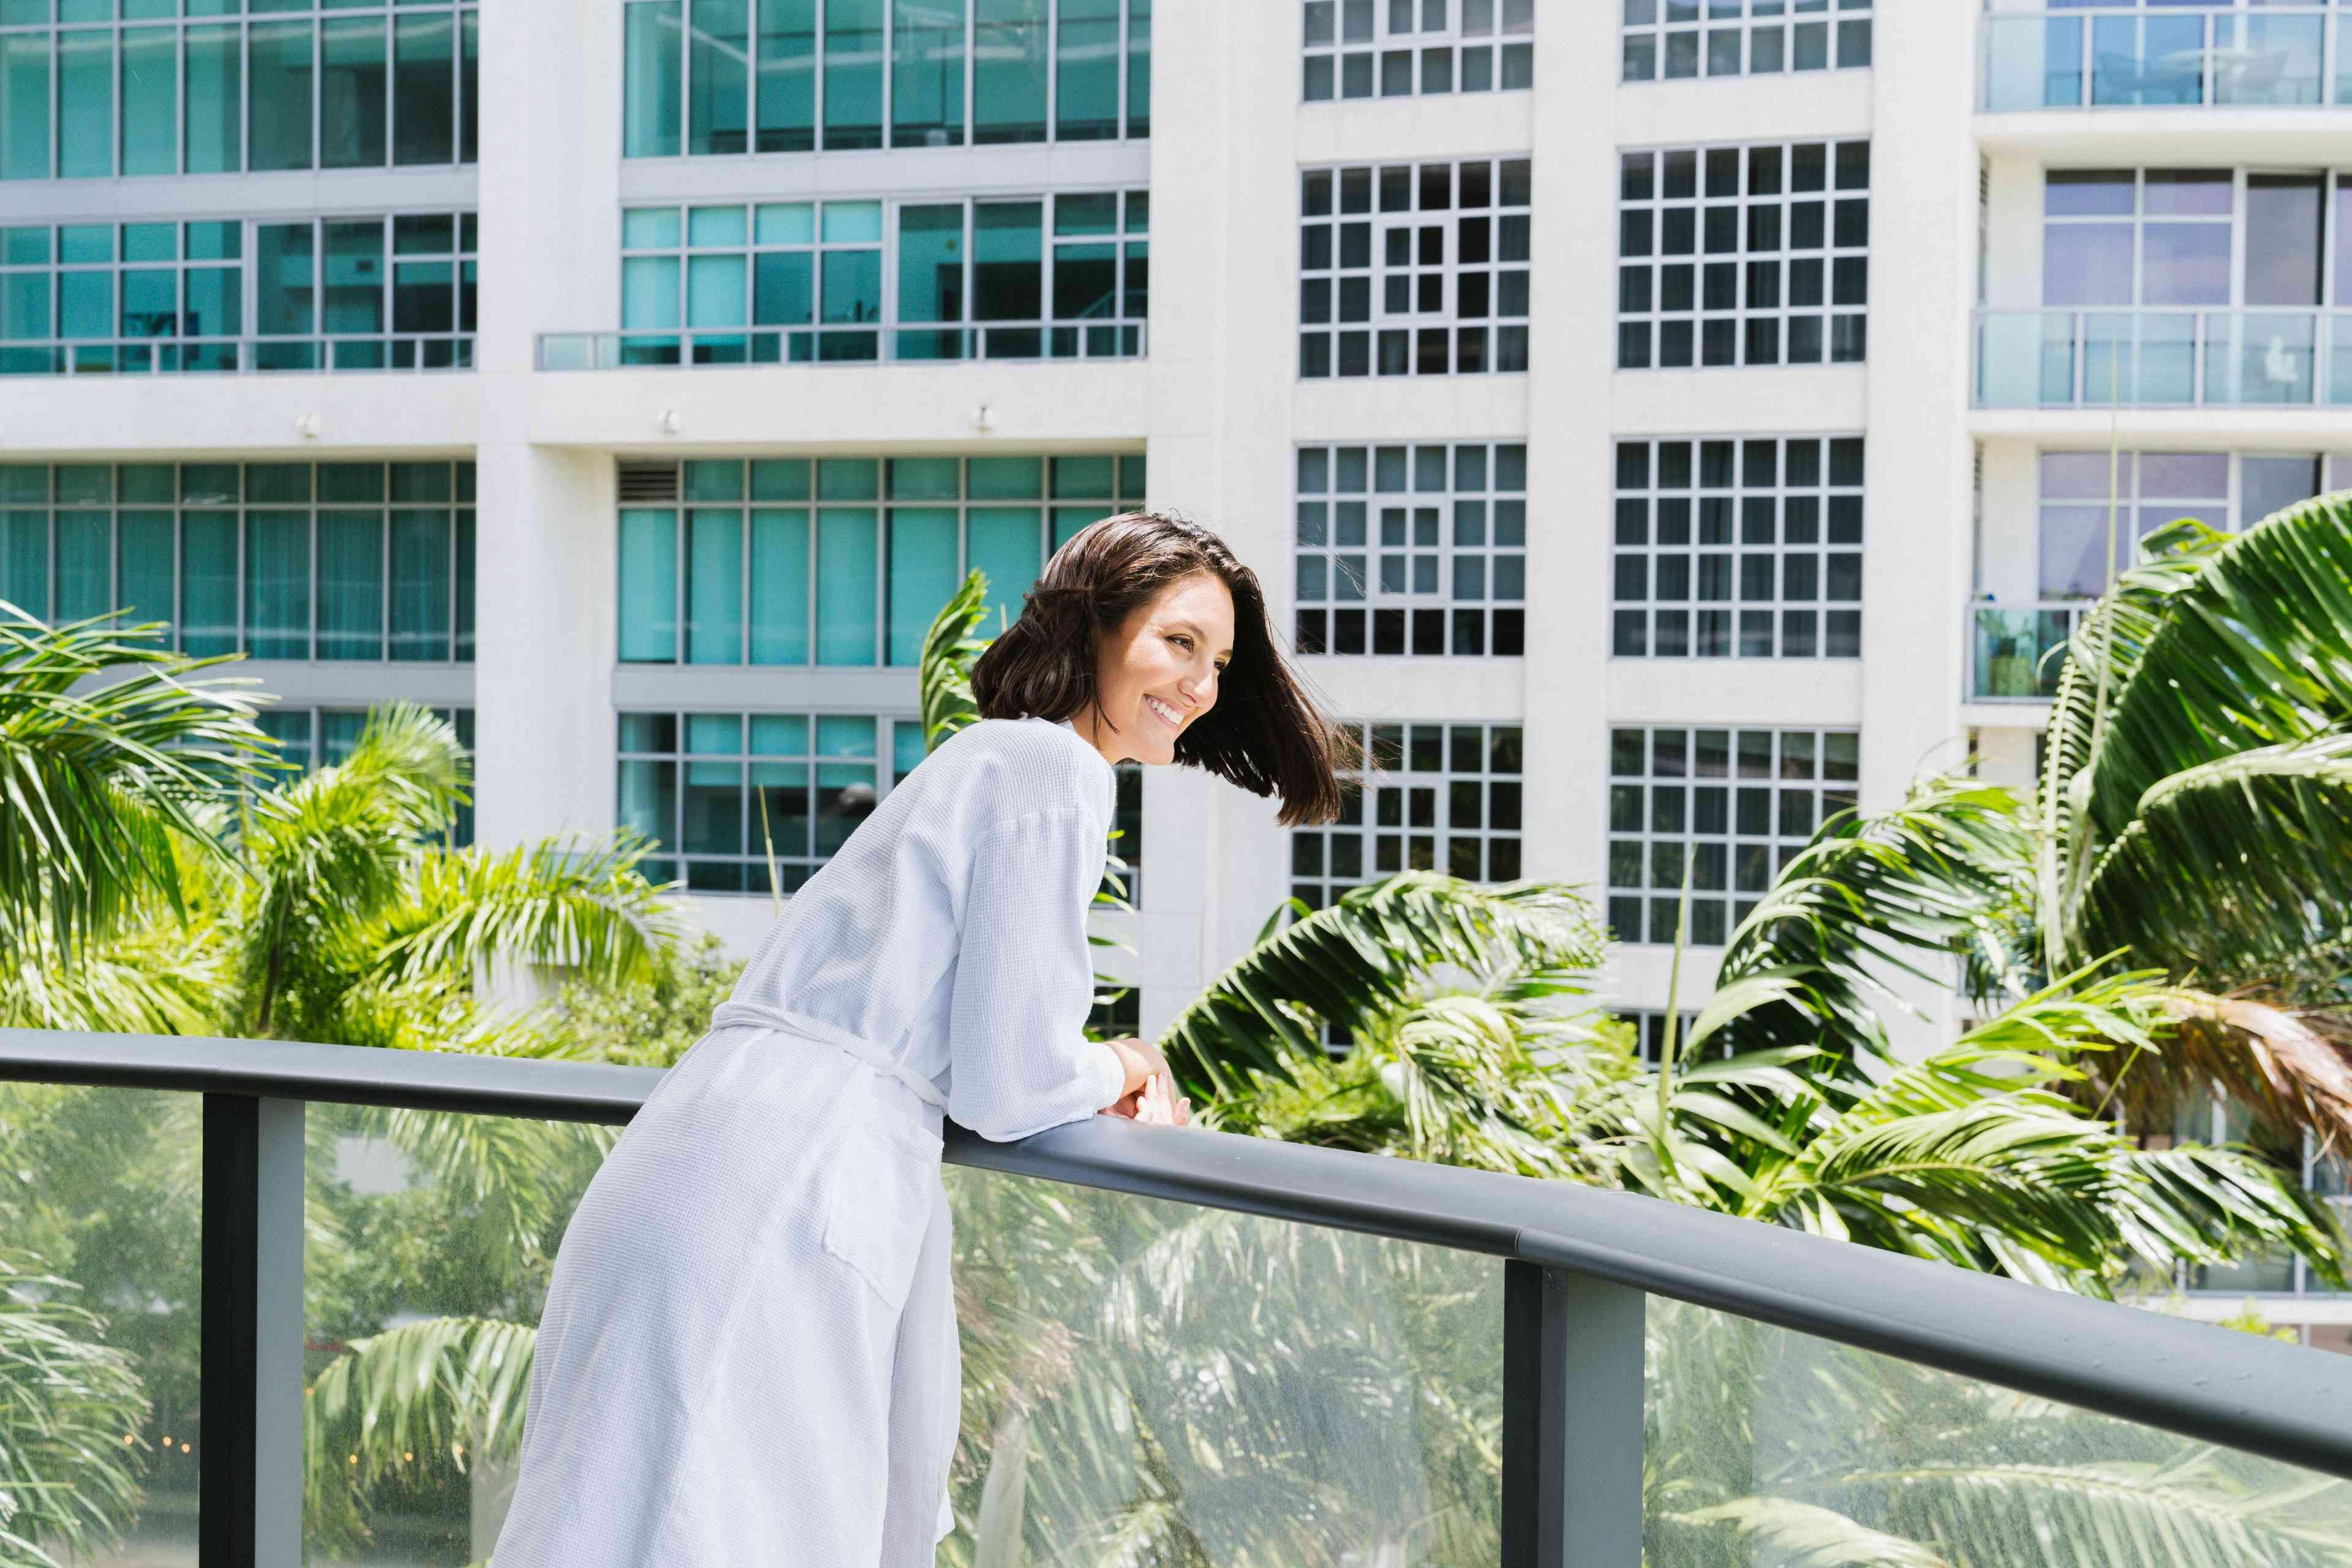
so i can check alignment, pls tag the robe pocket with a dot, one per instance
(881, 1205)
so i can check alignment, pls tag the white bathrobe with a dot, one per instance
(749, 1353)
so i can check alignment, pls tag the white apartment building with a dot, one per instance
(1660, 422)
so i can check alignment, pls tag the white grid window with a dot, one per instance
(717, 790)
(1415, 549)
(1394, 48)
(1747, 547)
(1436, 797)
(1743, 255)
(1739, 802)
(1672, 39)
(1409, 269)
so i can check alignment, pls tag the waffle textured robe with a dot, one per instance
(749, 1353)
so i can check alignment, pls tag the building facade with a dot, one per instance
(1657, 424)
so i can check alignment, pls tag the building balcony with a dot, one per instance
(197, 356)
(2016, 651)
(1292, 1353)
(2255, 359)
(999, 342)
(2125, 58)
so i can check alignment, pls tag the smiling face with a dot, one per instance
(1158, 674)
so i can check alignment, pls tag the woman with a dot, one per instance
(749, 1353)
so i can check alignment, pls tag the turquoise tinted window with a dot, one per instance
(648, 573)
(846, 560)
(922, 575)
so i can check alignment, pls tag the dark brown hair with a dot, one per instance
(1264, 734)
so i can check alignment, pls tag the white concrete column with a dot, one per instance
(543, 722)
(1917, 561)
(550, 177)
(1571, 366)
(1918, 551)
(1222, 328)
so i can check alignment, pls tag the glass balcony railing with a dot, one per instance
(865, 345)
(2015, 651)
(1190, 1346)
(2124, 57)
(2163, 358)
(150, 356)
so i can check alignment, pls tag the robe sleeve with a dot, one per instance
(1018, 1060)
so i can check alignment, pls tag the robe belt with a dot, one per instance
(759, 1014)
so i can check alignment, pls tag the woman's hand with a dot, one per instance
(1147, 1091)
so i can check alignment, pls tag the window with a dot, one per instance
(723, 793)
(334, 84)
(314, 738)
(1748, 549)
(1123, 872)
(1743, 255)
(1394, 48)
(2210, 279)
(2152, 489)
(842, 561)
(799, 281)
(1738, 803)
(342, 293)
(710, 77)
(1436, 797)
(1448, 291)
(1412, 549)
(1672, 39)
(290, 560)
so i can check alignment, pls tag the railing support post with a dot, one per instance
(1571, 1420)
(250, 1503)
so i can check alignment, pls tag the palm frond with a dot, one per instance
(578, 903)
(1364, 959)
(943, 671)
(447, 1392)
(1784, 1533)
(71, 1409)
(108, 754)
(1869, 900)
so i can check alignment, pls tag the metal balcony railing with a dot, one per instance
(2015, 651)
(2164, 359)
(2125, 56)
(836, 345)
(154, 356)
(1356, 1308)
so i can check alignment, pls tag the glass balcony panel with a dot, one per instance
(103, 1216)
(2155, 359)
(2018, 651)
(1767, 1446)
(2273, 59)
(408, 1257)
(2276, 355)
(1204, 1387)
(2122, 56)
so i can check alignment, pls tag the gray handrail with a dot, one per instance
(2239, 1390)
